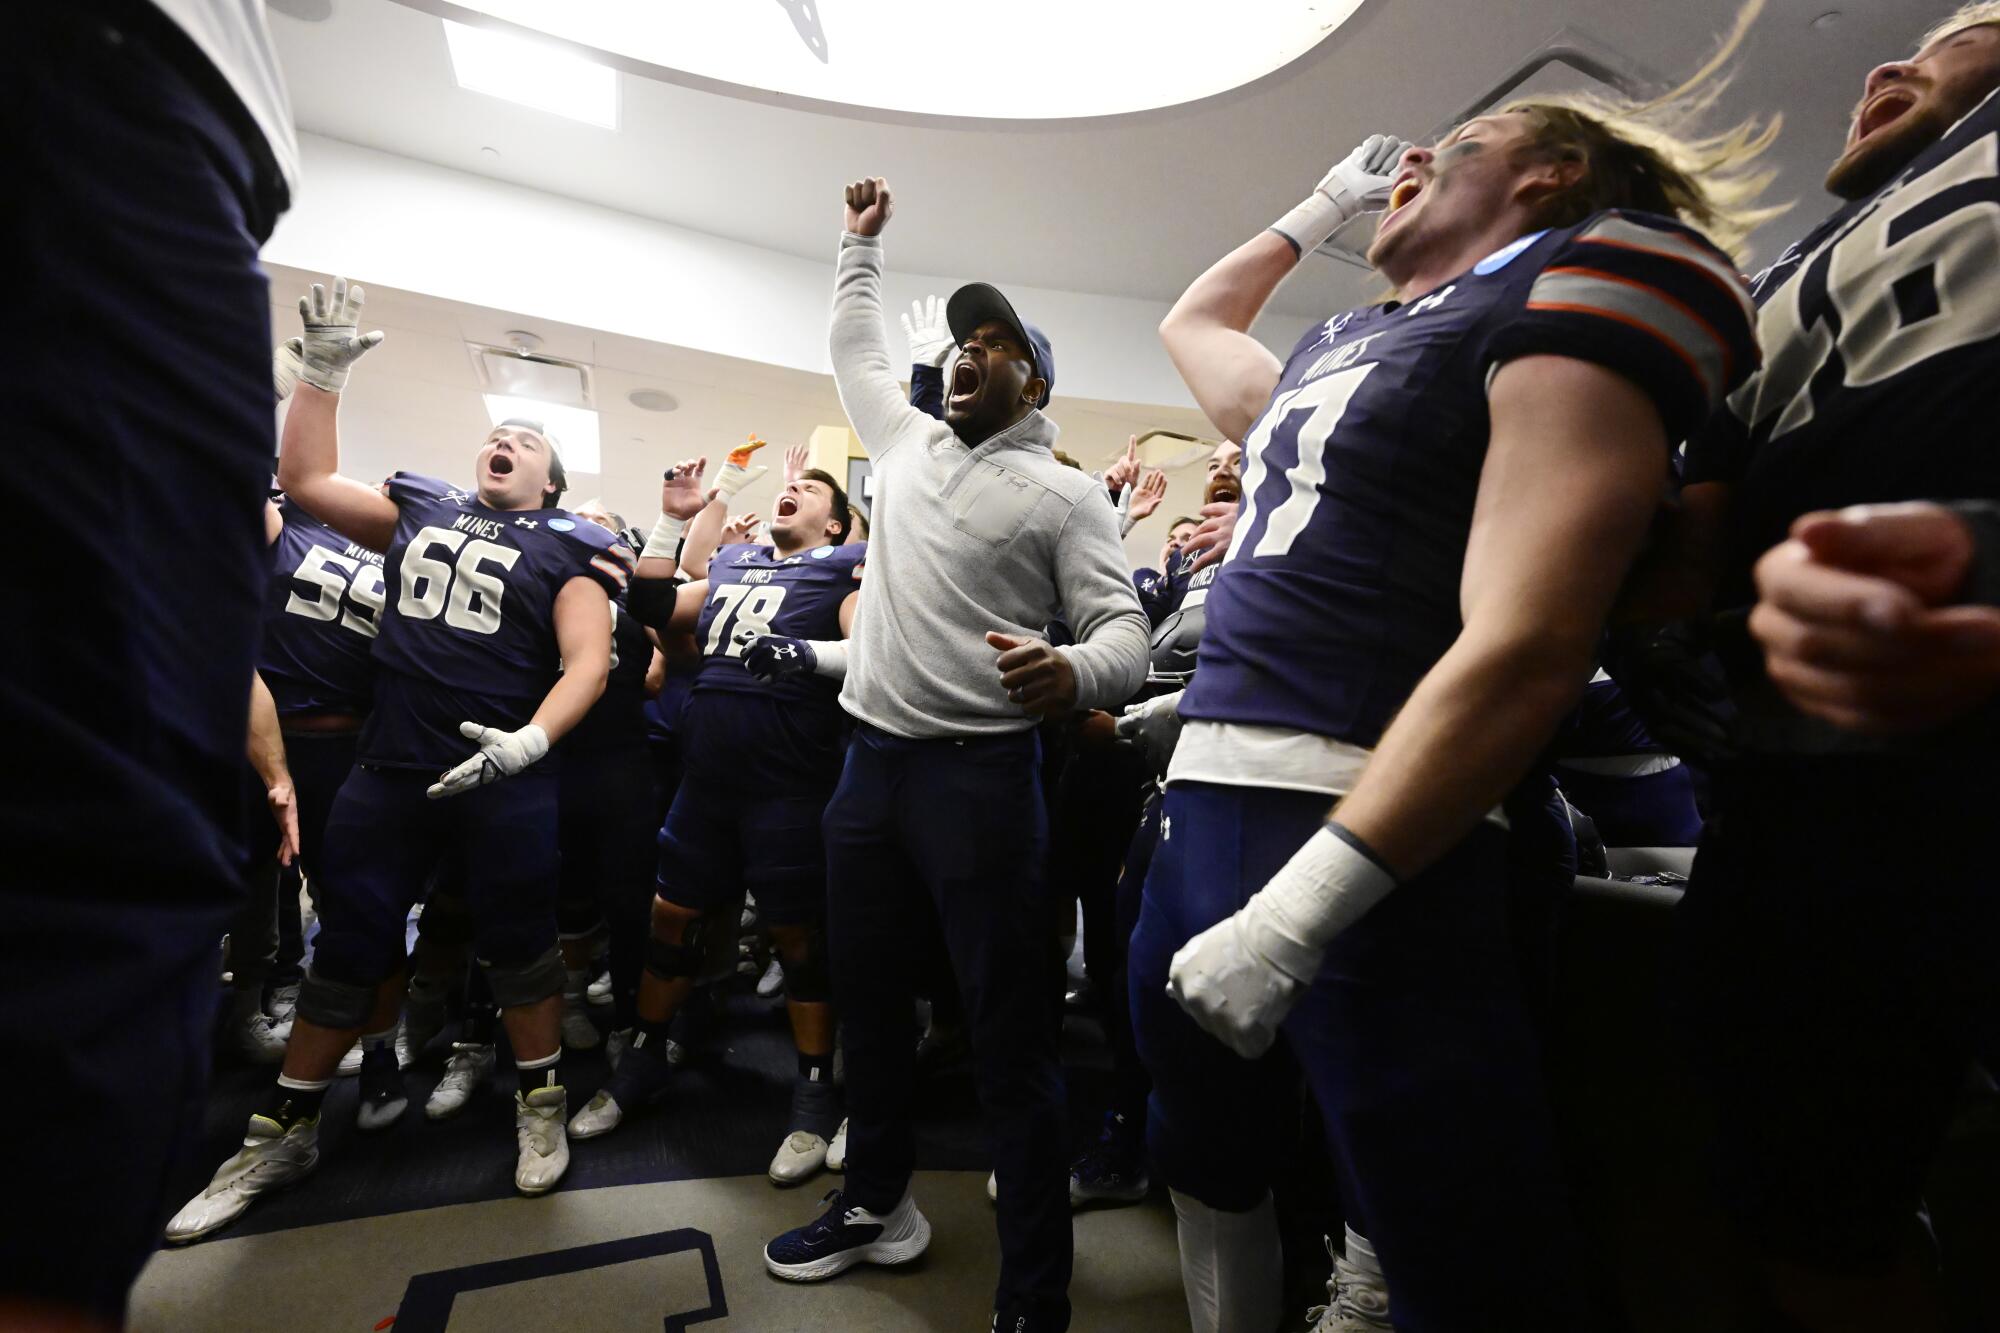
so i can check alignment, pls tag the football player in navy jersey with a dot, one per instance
(1840, 923)
(1441, 495)
(606, 824)
(1641, 798)
(320, 612)
(494, 635)
(762, 739)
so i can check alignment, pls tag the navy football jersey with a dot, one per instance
(799, 596)
(468, 628)
(1881, 331)
(320, 615)
(1341, 589)
(618, 718)
(1182, 615)
(1603, 726)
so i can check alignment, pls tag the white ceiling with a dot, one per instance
(414, 405)
(1130, 206)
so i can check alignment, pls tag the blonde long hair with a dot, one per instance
(1647, 156)
(1983, 12)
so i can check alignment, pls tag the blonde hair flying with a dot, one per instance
(1984, 12)
(1648, 156)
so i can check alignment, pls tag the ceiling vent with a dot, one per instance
(518, 372)
(1569, 62)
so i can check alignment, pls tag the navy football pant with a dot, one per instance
(1417, 1046)
(606, 830)
(953, 830)
(136, 401)
(1840, 939)
(319, 762)
(1651, 810)
(385, 841)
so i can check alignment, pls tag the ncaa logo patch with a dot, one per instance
(1506, 254)
(561, 525)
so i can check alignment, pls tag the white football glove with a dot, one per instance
(929, 334)
(1358, 183)
(502, 754)
(1154, 729)
(333, 341)
(1239, 978)
(287, 358)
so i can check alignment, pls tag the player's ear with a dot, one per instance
(1032, 393)
(1549, 175)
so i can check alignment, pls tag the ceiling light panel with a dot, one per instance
(535, 74)
(1050, 59)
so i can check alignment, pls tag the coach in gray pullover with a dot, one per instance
(973, 530)
(979, 539)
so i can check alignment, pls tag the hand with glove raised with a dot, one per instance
(1358, 183)
(332, 341)
(929, 334)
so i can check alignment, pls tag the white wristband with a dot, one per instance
(1316, 217)
(664, 542)
(1327, 886)
(831, 656)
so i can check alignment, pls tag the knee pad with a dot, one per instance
(684, 960)
(334, 1004)
(525, 983)
(808, 981)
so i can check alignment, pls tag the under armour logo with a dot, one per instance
(1166, 827)
(1432, 301)
(526, 523)
(785, 650)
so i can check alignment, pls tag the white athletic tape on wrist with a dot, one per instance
(1328, 885)
(830, 657)
(1315, 218)
(734, 477)
(664, 542)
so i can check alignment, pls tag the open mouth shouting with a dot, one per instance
(1882, 110)
(967, 378)
(1407, 187)
(788, 505)
(500, 465)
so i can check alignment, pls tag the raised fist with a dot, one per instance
(868, 206)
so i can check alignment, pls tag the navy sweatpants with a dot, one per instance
(1417, 1045)
(136, 401)
(954, 829)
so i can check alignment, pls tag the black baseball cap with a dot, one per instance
(976, 303)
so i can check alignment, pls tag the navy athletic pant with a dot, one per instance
(1418, 1046)
(954, 829)
(136, 401)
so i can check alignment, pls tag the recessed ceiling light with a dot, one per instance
(652, 400)
(500, 64)
(575, 427)
(1828, 19)
(490, 153)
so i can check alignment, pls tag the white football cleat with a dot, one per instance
(284, 1001)
(993, 1186)
(1357, 1298)
(254, 1034)
(270, 1159)
(464, 1074)
(836, 1152)
(599, 991)
(772, 981)
(540, 1136)
(350, 1063)
(798, 1158)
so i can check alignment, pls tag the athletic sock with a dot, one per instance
(1360, 1253)
(384, 1040)
(816, 1068)
(538, 1074)
(652, 1036)
(294, 1099)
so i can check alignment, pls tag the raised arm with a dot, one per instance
(869, 389)
(1207, 333)
(309, 447)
